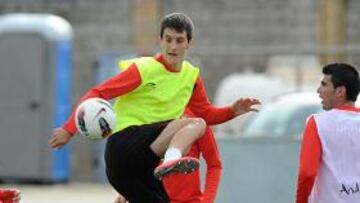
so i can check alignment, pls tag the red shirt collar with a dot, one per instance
(160, 58)
(348, 107)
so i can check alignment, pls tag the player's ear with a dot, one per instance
(340, 91)
(190, 43)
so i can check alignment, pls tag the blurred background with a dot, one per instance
(52, 51)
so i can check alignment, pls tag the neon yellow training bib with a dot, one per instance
(162, 95)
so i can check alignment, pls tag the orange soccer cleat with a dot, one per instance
(184, 165)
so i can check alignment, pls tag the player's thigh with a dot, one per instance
(128, 151)
(161, 143)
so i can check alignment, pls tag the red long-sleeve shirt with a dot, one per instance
(187, 188)
(130, 79)
(310, 158)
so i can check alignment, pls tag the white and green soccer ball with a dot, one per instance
(95, 118)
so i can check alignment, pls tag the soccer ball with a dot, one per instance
(95, 118)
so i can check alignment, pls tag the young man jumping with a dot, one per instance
(151, 95)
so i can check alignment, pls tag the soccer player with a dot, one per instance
(329, 170)
(151, 95)
(9, 195)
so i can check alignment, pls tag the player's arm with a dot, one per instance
(310, 156)
(210, 152)
(201, 106)
(116, 86)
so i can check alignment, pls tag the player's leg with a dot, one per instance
(135, 191)
(173, 142)
(130, 161)
(180, 134)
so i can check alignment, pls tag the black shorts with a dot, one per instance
(130, 164)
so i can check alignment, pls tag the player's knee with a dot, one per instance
(200, 125)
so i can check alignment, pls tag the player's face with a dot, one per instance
(326, 92)
(174, 46)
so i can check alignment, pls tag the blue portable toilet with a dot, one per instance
(35, 76)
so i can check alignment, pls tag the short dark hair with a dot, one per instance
(344, 75)
(178, 22)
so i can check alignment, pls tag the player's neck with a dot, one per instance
(172, 68)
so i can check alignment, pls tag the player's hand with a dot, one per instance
(60, 138)
(244, 105)
(120, 199)
(10, 196)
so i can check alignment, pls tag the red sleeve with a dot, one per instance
(120, 84)
(310, 156)
(200, 105)
(210, 152)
